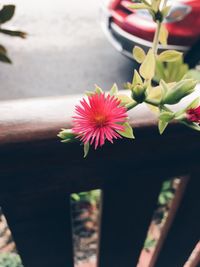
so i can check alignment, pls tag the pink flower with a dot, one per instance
(193, 114)
(99, 119)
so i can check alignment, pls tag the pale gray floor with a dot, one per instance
(66, 51)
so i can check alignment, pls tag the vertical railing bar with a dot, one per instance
(174, 207)
(194, 259)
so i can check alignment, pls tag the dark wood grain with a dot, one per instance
(41, 227)
(127, 209)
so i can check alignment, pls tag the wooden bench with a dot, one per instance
(38, 174)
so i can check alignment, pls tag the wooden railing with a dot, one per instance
(38, 174)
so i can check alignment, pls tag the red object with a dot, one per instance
(182, 31)
(99, 118)
(193, 114)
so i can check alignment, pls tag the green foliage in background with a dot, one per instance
(10, 260)
(92, 197)
(6, 14)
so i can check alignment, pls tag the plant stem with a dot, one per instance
(156, 103)
(131, 105)
(156, 37)
(152, 102)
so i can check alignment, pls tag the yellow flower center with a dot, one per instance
(99, 120)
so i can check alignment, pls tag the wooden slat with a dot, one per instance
(41, 226)
(127, 209)
(169, 220)
(185, 231)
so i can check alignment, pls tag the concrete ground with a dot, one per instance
(66, 51)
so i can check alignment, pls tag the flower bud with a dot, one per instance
(139, 93)
(193, 114)
(178, 91)
(67, 135)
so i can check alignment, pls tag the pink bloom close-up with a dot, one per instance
(99, 119)
(193, 114)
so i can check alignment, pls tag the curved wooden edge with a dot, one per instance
(42, 118)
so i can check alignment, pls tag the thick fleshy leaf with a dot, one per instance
(166, 116)
(139, 6)
(14, 33)
(178, 91)
(169, 56)
(6, 13)
(162, 126)
(139, 54)
(2, 50)
(66, 135)
(128, 132)
(163, 36)
(4, 58)
(89, 93)
(136, 79)
(98, 90)
(125, 99)
(155, 4)
(165, 11)
(191, 125)
(147, 69)
(114, 90)
(86, 149)
(193, 74)
(194, 103)
(164, 86)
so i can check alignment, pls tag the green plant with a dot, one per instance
(92, 197)
(162, 81)
(10, 260)
(6, 14)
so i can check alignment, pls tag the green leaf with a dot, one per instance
(155, 5)
(128, 132)
(191, 125)
(178, 91)
(170, 56)
(193, 74)
(136, 79)
(163, 36)
(89, 93)
(6, 13)
(149, 243)
(66, 135)
(194, 103)
(124, 99)
(166, 116)
(4, 58)
(14, 33)
(162, 200)
(75, 197)
(147, 69)
(160, 71)
(165, 11)
(2, 50)
(162, 126)
(139, 54)
(114, 90)
(166, 185)
(86, 149)
(139, 6)
(169, 195)
(164, 87)
(98, 90)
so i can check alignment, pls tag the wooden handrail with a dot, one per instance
(38, 173)
(34, 119)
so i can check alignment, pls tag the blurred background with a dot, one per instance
(65, 52)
